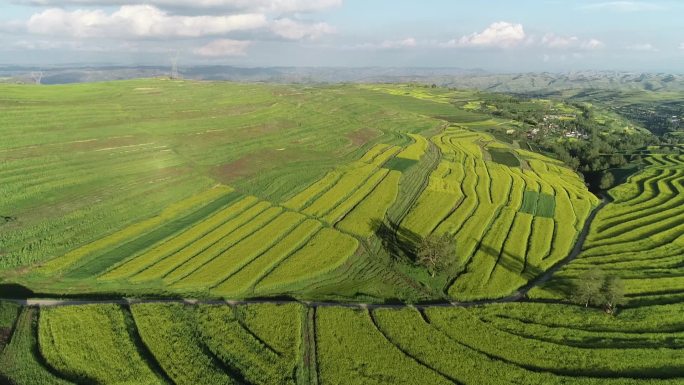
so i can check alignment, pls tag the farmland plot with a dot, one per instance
(638, 236)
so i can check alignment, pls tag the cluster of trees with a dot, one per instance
(514, 107)
(657, 118)
(595, 288)
(601, 151)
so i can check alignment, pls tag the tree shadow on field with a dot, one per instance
(15, 291)
(533, 274)
(400, 243)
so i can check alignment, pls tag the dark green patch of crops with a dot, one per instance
(100, 263)
(500, 136)
(504, 157)
(546, 206)
(400, 164)
(539, 204)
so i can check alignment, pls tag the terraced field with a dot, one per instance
(510, 224)
(307, 195)
(266, 221)
(638, 237)
(527, 343)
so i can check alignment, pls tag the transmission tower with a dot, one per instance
(174, 67)
(37, 76)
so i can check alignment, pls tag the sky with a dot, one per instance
(493, 35)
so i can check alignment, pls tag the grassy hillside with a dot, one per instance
(203, 190)
(233, 190)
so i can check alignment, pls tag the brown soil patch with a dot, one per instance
(252, 163)
(363, 136)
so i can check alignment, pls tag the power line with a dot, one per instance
(174, 67)
(37, 76)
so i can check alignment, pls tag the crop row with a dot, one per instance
(357, 196)
(660, 189)
(90, 216)
(171, 212)
(350, 350)
(20, 361)
(315, 258)
(374, 152)
(643, 247)
(225, 242)
(92, 343)
(161, 264)
(246, 278)
(344, 187)
(177, 243)
(361, 219)
(407, 347)
(415, 150)
(242, 252)
(523, 343)
(499, 249)
(170, 334)
(248, 352)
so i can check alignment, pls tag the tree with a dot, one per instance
(435, 251)
(588, 290)
(607, 181)
(596, 289)
(614, 293)
(617, 161)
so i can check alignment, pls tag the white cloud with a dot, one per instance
(223, 48)
(681, 46)
(295, 30)
(554, 41)
(408, 42)
(623, 6)
(276, 6)
(592, 44)
(137, 21)
(646, 47)
(508, 35)
(501, 34)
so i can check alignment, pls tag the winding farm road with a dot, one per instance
(517, 296)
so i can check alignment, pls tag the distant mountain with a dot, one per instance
(550, 82)
(65, 75)
(541, 83)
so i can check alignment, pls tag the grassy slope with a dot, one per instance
(194, 135)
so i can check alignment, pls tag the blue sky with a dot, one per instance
(495, 35)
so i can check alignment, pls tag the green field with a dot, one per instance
(241, 190)
(527, 343)
(637, 237)
(267, 234)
